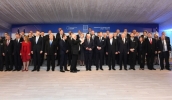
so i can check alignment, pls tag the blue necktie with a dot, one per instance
(50, 42)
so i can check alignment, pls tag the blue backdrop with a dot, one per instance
(84, 27)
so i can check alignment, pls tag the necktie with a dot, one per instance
(123, 40)
(150, 41)
(7, 42)
(50, 42)
(36, 40)
(100, 39)
(88, 41)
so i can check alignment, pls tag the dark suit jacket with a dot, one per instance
(133, 44)
(101, 44)
(123, 47)
(50, 49)
(37, 46)
(75, 46)
(88, 45)
(142, 48)
(111, 48)
(160, 45)
(151, 47)
(9, 48)
(17, 46)
(63, 47)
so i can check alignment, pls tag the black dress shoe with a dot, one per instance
(89, 69)
(62, 71)
(109, 69)
(86, 69)
(48, 70)
(162, 68)
(120, 69)
(126, 69)
(101, 68)
(77, 70)
(6, 70)
(73, 71)
(1, 70)
(14, 70)
(66, 70)
(97, 69)
(38, 70)
(153, 69)
(114, 69)
(134, 69)
(169, 69)
(33, 70)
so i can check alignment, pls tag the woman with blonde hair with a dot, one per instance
(25, 53)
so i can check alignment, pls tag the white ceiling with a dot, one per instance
(83, 11)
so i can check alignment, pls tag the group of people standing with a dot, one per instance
(90, 49)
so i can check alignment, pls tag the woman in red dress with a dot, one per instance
(25, 53)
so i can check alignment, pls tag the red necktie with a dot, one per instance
(150, 41)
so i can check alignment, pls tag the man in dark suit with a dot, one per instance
(8, 53)
(163, 49)
(17, 47)
(93, 37)
(75, 51)
(133, 44)
(116, 38)
(99, 45)
(44, 41)
(123, 50)
(37, 50)
(111, 50)
(151, 51)
(69, 39)
(58, 39)
(50, 52)
(63, 53)
(88, 47)
(1, 56)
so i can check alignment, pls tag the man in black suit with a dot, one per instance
(93, 37)
(151, 51)
(44, 41)
(123, 50)
(17, 47)
(8, 53)
(69, 39)
(88, 47)
(111, 50)
(50, 52)
(37, 50)
(100, 43)
(163, 49)
(1, 56)
(75, 51)
(63, 53)
(133, 44)
(58, 39)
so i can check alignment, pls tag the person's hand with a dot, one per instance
(90, 49)
(3, 54)
(132, 50)
(66, 51)
(40, 52)
(106, 53)
(55, 53)
(28, 53)
(159, 51)
(146, 53)
(155, 52)
(116, 52)
(31, 52)
(127, 52)
(45, 53)
(20, 54)
(86, 48)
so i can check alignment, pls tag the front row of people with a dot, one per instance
(23, 49)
